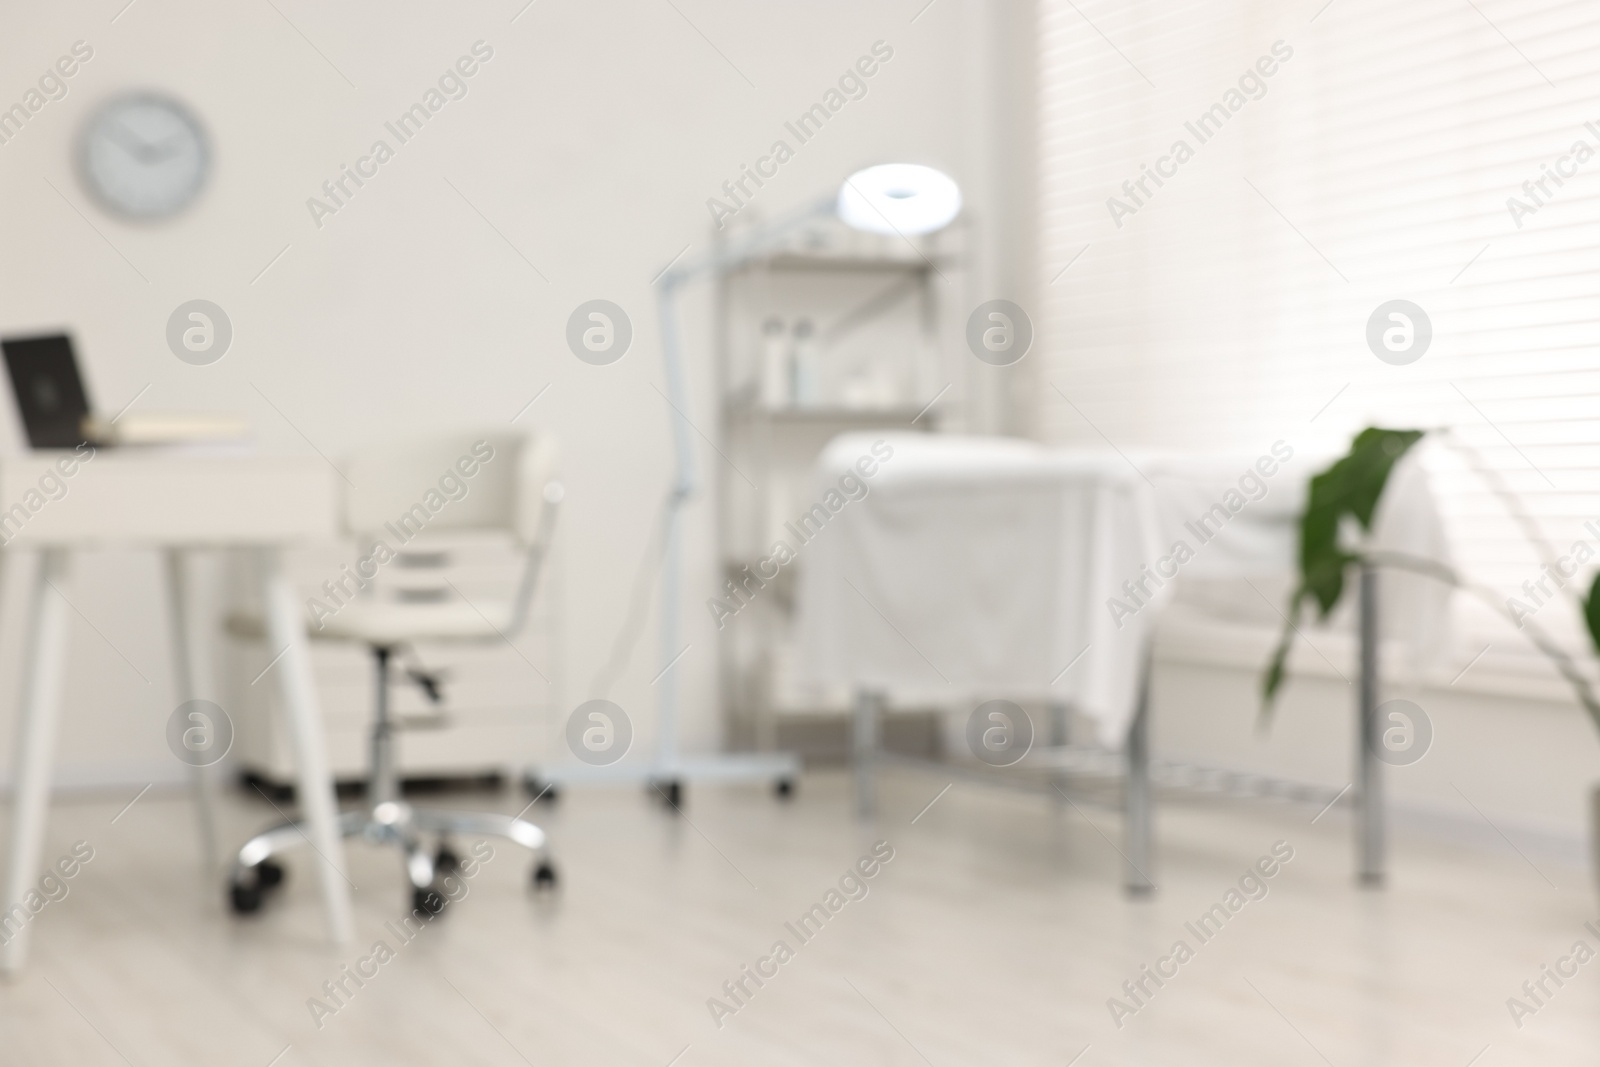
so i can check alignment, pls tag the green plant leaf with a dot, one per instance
(1351, 486)
(1274, 678)
(1591, 613)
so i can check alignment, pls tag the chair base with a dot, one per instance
(389, 823)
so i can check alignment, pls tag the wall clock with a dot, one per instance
(144, 156)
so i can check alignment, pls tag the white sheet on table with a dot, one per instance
(1262, 541)
(979, 568)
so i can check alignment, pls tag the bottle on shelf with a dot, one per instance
(804, 366)
(775, 374)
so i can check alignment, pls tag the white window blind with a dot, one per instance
(1230, 308)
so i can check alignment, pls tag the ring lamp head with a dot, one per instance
(899, 198)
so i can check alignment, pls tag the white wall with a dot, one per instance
(591, 141)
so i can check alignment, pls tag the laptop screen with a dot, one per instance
(48, 389)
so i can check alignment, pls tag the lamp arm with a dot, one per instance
(748, 247)
(752, 244)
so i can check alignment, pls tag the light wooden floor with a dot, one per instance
(995, 936)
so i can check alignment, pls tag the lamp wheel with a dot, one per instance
(544, 875)
(784, 788)
(670, 792)
(445, 861)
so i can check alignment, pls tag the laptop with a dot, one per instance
(55, 406)
(48, 389)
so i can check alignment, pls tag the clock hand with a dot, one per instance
(142, 150)
(165, 148)
(130, 143)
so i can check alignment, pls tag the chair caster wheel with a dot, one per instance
(543, 792)
(544, 875)
(248, 891)
(428, 901)
(244, 899)
(784, 788)
(445, 861)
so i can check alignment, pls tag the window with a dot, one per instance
(1337, 159)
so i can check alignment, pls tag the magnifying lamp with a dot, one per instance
(902, 198)
(897, 199)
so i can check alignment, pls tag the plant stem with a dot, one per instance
(1542, 641)
(1513, 504)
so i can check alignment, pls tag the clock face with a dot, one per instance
(144, 156)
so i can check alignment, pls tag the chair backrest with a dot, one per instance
(468, 481)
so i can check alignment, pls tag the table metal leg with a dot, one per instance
(186, 670)
(868, 713)
(1060, 717)
(286, 636)
(1136, 815)
(1370, 848)
(35, 755)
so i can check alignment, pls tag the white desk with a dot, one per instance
(172, 501)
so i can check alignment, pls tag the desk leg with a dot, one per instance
(35, 754)
(1136, 814)
(868, 713)
(185, 667)
(286, 634)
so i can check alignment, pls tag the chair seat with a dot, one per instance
(387, 622)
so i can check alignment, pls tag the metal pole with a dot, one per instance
(1060, 735)
(1369, 780)
(865, 751)
(682, 488)
(385, 784)
(1136, 793)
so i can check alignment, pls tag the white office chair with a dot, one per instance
(514, 491)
